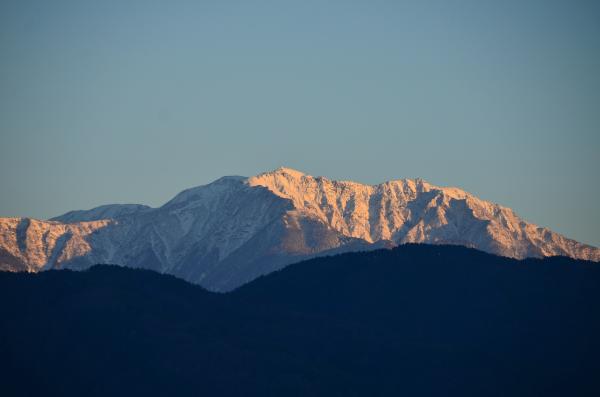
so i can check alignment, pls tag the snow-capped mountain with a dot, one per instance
(235, 229)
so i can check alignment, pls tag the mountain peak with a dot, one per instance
(291, 172)
(230, 178)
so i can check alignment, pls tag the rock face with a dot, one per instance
(235, 229)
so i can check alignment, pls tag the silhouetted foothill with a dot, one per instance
(417, 320)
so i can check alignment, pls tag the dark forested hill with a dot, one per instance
(417, 320)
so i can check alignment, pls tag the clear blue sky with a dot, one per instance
(133, 101)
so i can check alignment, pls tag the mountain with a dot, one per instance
(235, 229)
(416, 320)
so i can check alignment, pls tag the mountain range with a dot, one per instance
(235, 229)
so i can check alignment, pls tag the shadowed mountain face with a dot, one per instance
(418, 320)
(235, 229)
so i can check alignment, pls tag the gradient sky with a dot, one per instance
(133, 101)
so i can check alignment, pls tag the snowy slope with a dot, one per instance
(110, 211)
(235, 229)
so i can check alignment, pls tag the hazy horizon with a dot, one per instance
(132, 102)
